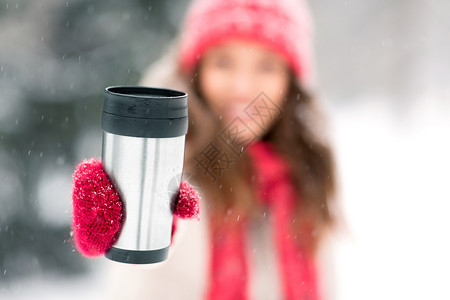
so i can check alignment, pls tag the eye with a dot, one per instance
(267, 66)
(222, 62)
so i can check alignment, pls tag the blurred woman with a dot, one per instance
(257, 152)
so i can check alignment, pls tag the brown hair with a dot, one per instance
(295, 135)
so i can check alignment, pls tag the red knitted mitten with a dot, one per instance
(98, 210)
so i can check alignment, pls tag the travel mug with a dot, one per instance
(143, 152)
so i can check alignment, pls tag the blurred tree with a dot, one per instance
(56, 58)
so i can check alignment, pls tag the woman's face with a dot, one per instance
(233, 74)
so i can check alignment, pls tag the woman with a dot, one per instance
(257, 151)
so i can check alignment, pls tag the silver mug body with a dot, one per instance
(143, 154)
(143, 171)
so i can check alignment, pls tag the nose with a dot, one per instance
(242, 88)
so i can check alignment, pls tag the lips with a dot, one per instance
(233, 113)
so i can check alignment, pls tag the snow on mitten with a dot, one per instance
(97, 209)
(186, 204)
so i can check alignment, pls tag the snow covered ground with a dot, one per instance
(52, 288)
(396, 200)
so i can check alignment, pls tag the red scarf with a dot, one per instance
(228, 267)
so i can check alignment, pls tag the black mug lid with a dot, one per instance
(145, 102)
(144, 111)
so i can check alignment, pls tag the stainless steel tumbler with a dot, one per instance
(143, 152)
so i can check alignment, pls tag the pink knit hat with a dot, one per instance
(282, 25)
